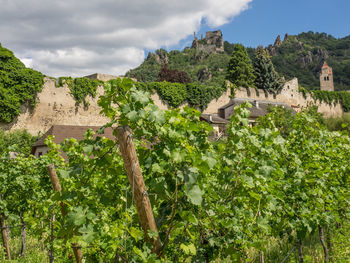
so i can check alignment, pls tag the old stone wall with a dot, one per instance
(289, 94)
(55, 106)
(215, 104)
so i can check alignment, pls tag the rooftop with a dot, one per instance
(259, 107)
(62, 132)
(213, 119)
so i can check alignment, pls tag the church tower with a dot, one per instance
(326, 78)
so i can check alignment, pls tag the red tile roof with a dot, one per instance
(325, 65)
(62, 132)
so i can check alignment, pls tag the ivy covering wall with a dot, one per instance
(329, 97)
(80, 88)
(18, 85)
(175, 94)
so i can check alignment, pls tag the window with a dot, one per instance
(39, 154)
(325, 78)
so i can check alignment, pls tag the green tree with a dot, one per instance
(240, 69)
(266, 76)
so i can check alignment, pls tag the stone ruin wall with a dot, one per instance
(289, 94)
(55, 106)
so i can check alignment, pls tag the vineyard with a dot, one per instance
(163, 192)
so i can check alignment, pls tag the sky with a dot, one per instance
(78, 38)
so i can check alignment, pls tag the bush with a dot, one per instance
(175, 94)
(18, 85)
(173, 75)
(20, 141)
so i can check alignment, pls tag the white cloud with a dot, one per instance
(71, 37)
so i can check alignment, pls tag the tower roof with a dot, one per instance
(325, 66)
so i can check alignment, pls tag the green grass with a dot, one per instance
(36, 251)
(276, 250)
(339, 123)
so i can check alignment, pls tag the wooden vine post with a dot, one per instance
(4, 237)
(133, 170)
(57, 187)
(5, 240)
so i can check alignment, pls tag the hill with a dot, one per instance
(302, 56)
(205, 61)
(298, 56)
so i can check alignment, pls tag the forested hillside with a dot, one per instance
(302, 56)
(200, 66)
(296, 56)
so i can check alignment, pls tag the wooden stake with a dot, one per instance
(52, 238)
(4, 237)
(57, 187)
(23, 235)
(133, 170)
(261, 257)
(300, 251)
(77, 252)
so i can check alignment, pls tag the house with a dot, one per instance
(259, 108)
(62, 132)
(219, 124)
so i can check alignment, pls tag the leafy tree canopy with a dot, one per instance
(173, 75)
(19, 141)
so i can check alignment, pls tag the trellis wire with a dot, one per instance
(290, 252)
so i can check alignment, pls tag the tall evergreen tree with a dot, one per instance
(240, 71)
(266, 76)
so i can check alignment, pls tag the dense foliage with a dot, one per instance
(266, 78)
(80, 88)
(18, 85)
(19, 141)
(240, 70)
(189, 60)
(283, 179)
(173, 75)
(339, 123)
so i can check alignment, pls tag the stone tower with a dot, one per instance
(326, 78)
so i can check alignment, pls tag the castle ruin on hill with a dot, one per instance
(212, 43)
